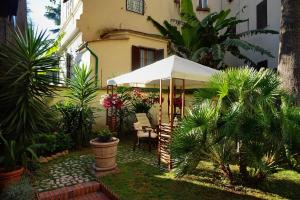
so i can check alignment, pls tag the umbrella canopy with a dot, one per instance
(194, 74)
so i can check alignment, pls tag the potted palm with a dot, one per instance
(105, 149)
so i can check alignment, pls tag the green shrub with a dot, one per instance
(53, 143)
(244, 113)
(48, 141)
(63, 142)
(76, 122)
(104, 135)
(18, 191)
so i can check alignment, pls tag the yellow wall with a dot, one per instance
(115, 54)
(101, 15)
(100, 112)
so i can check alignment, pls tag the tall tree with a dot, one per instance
(53, 13)
(289, 51)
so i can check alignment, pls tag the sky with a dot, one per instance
(36, 14)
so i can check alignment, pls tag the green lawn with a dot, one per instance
(141, 179)
(138, 180)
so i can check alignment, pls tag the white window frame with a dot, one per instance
(135, 10)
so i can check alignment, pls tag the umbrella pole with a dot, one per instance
(183, 99)
(159, 122)
(171, 117)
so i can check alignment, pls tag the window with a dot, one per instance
(262, 15)
(145, 56)
(69, 65)
(136, 6)
(203, 5)
(68, 7)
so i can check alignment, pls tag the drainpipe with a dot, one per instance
(96, 64)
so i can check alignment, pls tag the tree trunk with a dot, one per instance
(289, 50)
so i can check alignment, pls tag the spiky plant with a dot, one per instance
(82, 91)
(207, 41)
(24, 83)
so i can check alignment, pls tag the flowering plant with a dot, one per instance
(142, 103)
(111, 101)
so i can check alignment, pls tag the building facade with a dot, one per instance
(13, 13)
(113, 37)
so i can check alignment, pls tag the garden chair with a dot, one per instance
(144, 131)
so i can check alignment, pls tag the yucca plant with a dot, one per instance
(25, 64)
(207, 41)
(82, 91)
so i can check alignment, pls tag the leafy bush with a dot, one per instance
(48, 141)
(53, 142)
(245, 118)
(63, 142)
(76, 122)
(14, 155)
(18, 191)
(104, 135)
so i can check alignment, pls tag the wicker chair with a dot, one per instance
(144, 131)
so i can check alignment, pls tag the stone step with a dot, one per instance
(92, 196)
(83, 190)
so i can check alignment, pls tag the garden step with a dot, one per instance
(81, 191)
(92, 196)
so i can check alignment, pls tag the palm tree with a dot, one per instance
(289, 55)
(247, 123)
(208, 41)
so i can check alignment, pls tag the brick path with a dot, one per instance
(84, 191)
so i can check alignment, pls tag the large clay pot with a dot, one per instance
(105, 154)
(7, 178)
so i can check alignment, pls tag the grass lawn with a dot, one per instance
(141, 179)
(138, 180)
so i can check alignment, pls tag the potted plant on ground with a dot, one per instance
(13, 160)
(105, 149)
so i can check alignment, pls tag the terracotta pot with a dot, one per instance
(6, 178)
(105, 154)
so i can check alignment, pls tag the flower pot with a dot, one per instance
(7, 178)
(105, 154)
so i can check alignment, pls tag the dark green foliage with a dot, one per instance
(19, 191)
(53, 142)
(77, 115)
(74, 120)
(53, 13)
(63, 142)
(207, 41)
(14, 155)
(244, 118)
(104, 135)
(25, 63)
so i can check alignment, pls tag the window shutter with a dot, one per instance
(159, 54)
(262, 15)
(68, 65)
(136, 58)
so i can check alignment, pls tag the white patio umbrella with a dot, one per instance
(173, 67)
(169, 72)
